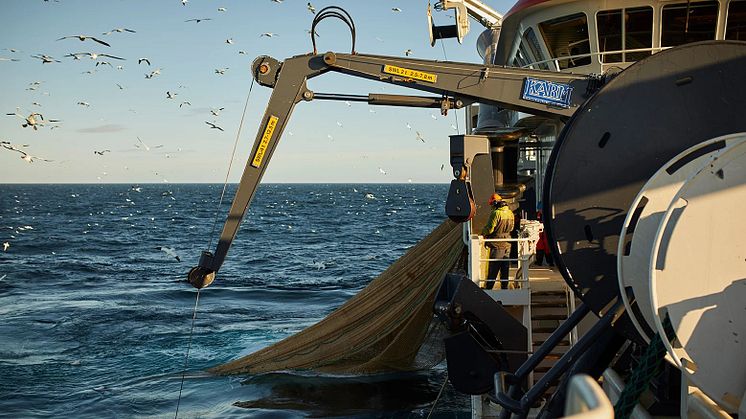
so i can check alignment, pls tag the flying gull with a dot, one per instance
(221, 70)
(45, 59)
(169, 251)
(221, 9)
(395, 9)
(216, 112)
(32, 120)
(24, 155)
(268, 34)
(213, 126)
(197, 20)
(92, 55)
(140, 60)
(310, 8)
(101, 153)
(419, 136)
(120, 30)
(84, 37)
(6, 245)
(153, 73)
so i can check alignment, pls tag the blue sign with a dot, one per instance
(547, 92)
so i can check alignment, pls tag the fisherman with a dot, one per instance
(499, 225)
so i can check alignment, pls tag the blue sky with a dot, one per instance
(187, 54)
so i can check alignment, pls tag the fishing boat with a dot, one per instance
(621, 122)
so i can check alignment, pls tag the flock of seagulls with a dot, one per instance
(36, 120)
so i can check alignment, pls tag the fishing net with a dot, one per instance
(380, 329)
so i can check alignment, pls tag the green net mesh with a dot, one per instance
(380, 329)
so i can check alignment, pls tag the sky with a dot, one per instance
(107, 108)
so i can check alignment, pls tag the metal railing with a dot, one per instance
(525, 253)
(556, 60)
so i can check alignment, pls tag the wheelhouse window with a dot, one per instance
(689, 22)
(529, 52)
(567, 40)
(736, 26)
(625, 29)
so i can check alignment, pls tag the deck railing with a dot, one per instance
(525, 253)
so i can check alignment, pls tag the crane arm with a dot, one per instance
(506, 87)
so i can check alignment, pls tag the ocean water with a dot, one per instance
(95, 320)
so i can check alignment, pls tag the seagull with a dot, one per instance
(215, 112)
(32, 121)
(229, 41)
(347, 102)
(433, 116)
(92, 55)
(419, 136)
(395, 9)
(453, 127)
(310, 8)
(221, 70)
(36, 103)
(268, 34)
(383, 172)
(143, 144)
(329, 136)
(184, 2)
(277, 1)
(24, 155)
(198, 20)
(408, 52)
(185, 103)
(120, 86)
(170, 95)
(86, 104)
(213, 126)
(153, 73)
(169, 251)
(308, 31)
(84, 37)
(140, 60)
(98, 63)
(6, 245)
(120, 67)
(221, 9)
(9, 59)
(30, 159)
(409, 126)
(242, 52)
(442, 166)
(339, 124)
(45, 59)
(120, 30)
(101, 153)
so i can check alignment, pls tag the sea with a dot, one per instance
(95, 320)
